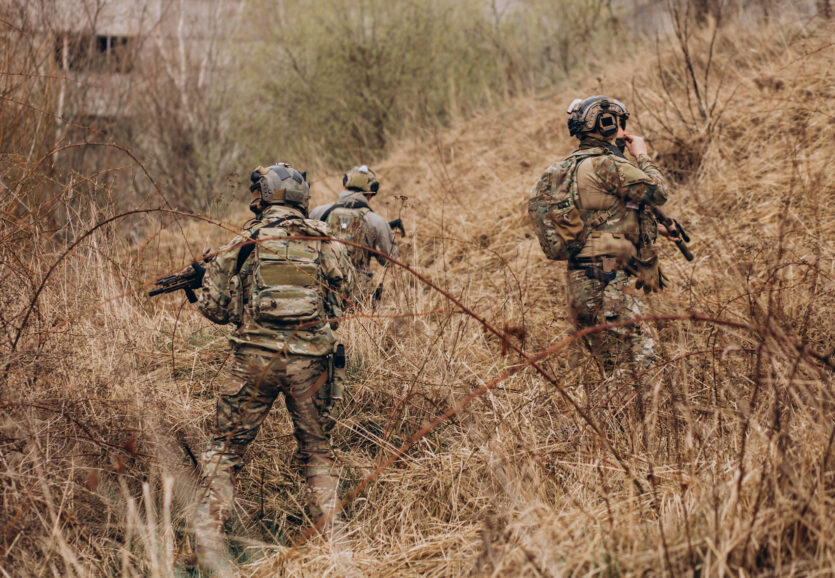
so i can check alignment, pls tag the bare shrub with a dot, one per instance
(458, 456)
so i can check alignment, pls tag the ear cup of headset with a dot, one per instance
(607, 124)
(255, 179)
(574, 126)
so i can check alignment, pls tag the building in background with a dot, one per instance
(149, 75)
(108, 51)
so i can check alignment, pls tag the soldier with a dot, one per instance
(591, 210)
(280, 292)
(351, 218)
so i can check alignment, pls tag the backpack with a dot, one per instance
(346, 221)
(559, 224)
(286, 285)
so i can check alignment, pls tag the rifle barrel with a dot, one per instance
(685, 250)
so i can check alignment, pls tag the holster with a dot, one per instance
(334, 389)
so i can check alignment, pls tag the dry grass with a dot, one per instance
(716, 462)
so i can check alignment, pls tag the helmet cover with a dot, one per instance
(600, 114)
(361, 179)
(279, 184)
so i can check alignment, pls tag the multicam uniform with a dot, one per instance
(274, 355)
(378, 236)
(611, 194)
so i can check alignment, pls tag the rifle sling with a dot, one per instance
(248, 247)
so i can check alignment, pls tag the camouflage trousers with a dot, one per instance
(594, 302)
(266, 374)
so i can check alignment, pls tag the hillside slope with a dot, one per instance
(717, 461)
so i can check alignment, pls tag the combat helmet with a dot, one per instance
(361, 179)
(279, 184)
(596, 114)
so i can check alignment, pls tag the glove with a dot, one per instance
(650, 282)
(648, 274)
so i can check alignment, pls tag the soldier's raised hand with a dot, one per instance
(636, 145)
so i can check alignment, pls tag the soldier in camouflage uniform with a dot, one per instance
(280, 293)
(591, 210)
(352, 219)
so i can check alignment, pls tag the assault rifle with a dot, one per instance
(677, 233)
(397, 224)
(188, 279)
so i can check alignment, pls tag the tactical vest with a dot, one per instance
(285, 285)
(346, 221)
(560, 225)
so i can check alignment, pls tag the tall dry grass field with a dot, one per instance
(479, 437)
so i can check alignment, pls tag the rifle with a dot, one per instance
(188, 279)
(677, 233)
(397, 224)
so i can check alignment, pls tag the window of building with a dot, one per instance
(94, 52)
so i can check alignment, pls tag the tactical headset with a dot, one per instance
(600, 114)
(278, 184)
(361, 179)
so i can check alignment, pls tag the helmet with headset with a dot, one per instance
(361, 179)
(596, 114)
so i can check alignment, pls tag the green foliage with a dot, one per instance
(331, 83)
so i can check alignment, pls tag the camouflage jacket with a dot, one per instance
(611, 186)
(216, 298)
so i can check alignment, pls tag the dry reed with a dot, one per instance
(715, 462)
